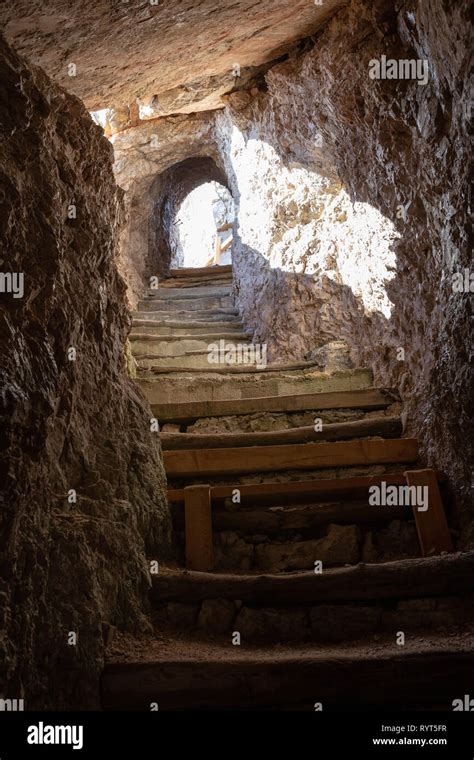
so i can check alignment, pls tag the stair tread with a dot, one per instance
(388, 427)
(367, 398)
(190, 674)
(170, 294)
(196, 652)
(404, 578)
(287, 367)
(242, 336)
(197, 271)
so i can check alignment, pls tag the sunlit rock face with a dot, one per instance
(83, 488)
(173, 57)
(384, 266)
(310, 265)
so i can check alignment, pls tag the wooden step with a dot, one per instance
(206, 337)
(403, 579)
(301, 491)
(228, 677)
(386, 427)
(176, 294)
(206, 315)
(309, 517)
(170, 327)
(196, 282)
(244, 370)
(368, 399)
(307, 456)
(215, 317)
(199, 271)
(171, 306)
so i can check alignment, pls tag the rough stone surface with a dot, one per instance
(216, 615)
(178, 615)
(177, 53)
(65, 424)
(396, 541)
(333, 623)
(361, 221)
(339, 547)
(268, 624)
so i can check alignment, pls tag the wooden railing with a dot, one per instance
(220, 247)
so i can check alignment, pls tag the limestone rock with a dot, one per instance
(398, 540)
(339, 547)
(216, 615)
(334, 623)
(271, 625)
(67, 425)
(114, 45)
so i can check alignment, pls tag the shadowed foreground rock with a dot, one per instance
(66, 424)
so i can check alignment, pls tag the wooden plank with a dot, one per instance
(225, 227)
(226, 244)
(210, 337)
(432, 526)
(386, 427)
(301, 491)
(304, 517)
(400, 579)
(243, 370)
(306, 456)
(198, 528)
(197, 271)
(188, 411)
(196, 282)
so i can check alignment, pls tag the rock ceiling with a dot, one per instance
(175, 56)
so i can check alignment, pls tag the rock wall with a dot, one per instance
(73, 425)
(352, 217)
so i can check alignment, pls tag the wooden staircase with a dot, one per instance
(289, 588)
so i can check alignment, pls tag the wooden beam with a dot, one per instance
(217, 250)
(386, 427)
(226, 244)
(241, 370)
(198, 528)
(306, 456)
(305, 517)
(432, 526)
(198, 271)
(188, 411)
(401, 579)
(225, 227)
(196, 282)
(301, 491)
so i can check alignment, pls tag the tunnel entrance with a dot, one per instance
(192, 213)
(201, 232)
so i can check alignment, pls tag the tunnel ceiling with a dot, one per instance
(181, 51)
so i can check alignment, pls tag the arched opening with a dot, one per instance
(201, 232)
(192, 208)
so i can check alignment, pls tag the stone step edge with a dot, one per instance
(267, 677)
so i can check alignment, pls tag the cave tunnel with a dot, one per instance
(236, 327)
